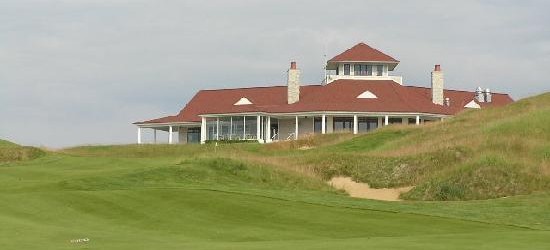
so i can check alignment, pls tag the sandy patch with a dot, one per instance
(363, 190)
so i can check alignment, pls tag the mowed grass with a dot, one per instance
(183, 200)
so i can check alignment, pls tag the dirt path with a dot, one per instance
(363, 190)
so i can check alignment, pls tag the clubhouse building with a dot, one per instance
(358, 95)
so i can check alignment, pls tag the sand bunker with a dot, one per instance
(363, 190)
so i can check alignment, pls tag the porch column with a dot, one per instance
(355, 125)
(268, 129)
(203, 130)
(155, 136)
(323, 124)
(386, 120)
(258, 127)
(244, 127)
(296, 131)
(231, 129)
(217, 129)
(139, 135)
(417, 120)
(170, 135)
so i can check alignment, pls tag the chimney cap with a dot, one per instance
(293, 65)
(437, 67)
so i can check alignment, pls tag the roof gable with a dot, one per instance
(367, 95)
(363, 53)
(243, 101)
(473, 105)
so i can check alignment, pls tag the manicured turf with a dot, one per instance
(183, 202)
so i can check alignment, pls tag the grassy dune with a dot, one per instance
(479, 154)
(10, 152)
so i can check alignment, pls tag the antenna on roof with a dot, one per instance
(325, 63)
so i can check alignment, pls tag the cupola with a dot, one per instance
(361, 62)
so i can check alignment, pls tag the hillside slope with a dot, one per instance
(478, 154)
(10, 152)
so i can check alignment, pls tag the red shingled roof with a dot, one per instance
(362, 53)
(340, 95)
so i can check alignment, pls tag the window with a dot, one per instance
(212, 129)
(193, 135)
(395, 120)
(360, 70)
(412, 120)
(318, 125)
(379, 70)
(366, 124)
(250, 130)
(343, 124)
(274, 126)
(237, 130)
(225, 128)
(346, 69)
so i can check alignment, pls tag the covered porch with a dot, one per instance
(175, 133)
(266, 128)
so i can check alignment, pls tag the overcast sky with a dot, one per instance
(79, 72)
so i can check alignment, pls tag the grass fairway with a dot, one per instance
(183, 202)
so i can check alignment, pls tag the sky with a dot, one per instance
(79, 72)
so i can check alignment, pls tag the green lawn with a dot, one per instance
(181, 201)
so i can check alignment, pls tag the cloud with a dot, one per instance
(79, 72)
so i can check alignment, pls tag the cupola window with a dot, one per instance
(346, 69)
(379, 70)
(362, 70)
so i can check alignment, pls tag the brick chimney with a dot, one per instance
(293, 84)
(437, 85)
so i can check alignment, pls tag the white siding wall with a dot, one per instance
(306, 126)
(330, 124)
(286, 127)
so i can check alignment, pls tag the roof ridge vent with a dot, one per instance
(243, 101)
(367, 95)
